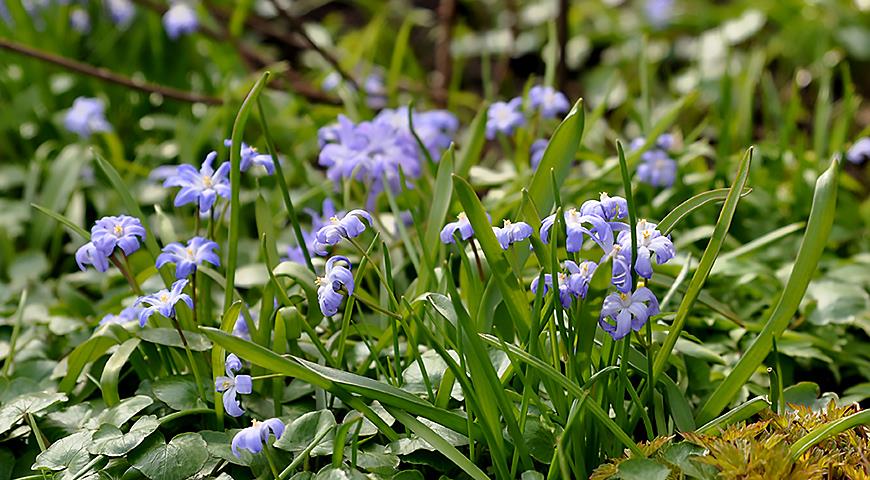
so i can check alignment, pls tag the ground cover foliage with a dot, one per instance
(538, 239)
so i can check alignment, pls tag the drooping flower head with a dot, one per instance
(579, 276)
(565, 295)
(504, 117)
(251, 157)
(122, 231)
(240, 329)
(859, 151)
(623, 312)
(548, 100)
(376, 91)
(253, 437)
(187, 258)
(87, 116)
(127, 315)
(337, 278)
(511, 233)
(349, 226)
(163, 302)
(607, 207)
(461, 225)
(231, 385)
(575, 225)
(88, 254)
(649, 241)
(120, 11)
(180, 19)
(203, 186)
(536, 152)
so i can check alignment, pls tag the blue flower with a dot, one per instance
(127, 315)
(203, 186)
(376, 91)
(331, 81)
(575, 226)
(548, 100)
(330, 286)
(163, 302)
(607, 207)
(88, 254)
(180, 19)
(231, 385)
(186, 259)
(628, 312)
(620, 270)
(349, 226)
(240, 329)
(860, 151)
(435, 128)
(87, 116)
(462, 225)
(251, 157)
(579, 276)
(659, 12)
(79, 20)
(536, 152)
(565, 294)
(511, 233)
(504, 117)
(657, 169)
(122, 231)
(120, 11)
(649, 241)
(252, 438)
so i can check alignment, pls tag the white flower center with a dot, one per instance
(189, 252)
(206, 181)
(164, 297)
(119, 230)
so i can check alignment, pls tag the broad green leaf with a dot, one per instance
(179, 392)
(179, 459)
(339, 473)
(170, 338)
(819, 225)
(110, 441)
(30, 403)
(704, 265)
(120, 413)
(56, 190)
(558, 157)
(92, 349)
(67, 453)
(642, 469)
(301, 432)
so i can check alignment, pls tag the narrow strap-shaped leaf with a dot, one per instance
(62, 219)
(737, 414)
(823, 432)
(507, 282)
(813, 244)
(704, 266)
(682, 210)
(437, 214)
(558, 157)
(112, 371)
(470, 153)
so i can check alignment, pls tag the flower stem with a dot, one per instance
(376, 308)
(377, 269)
(125, 270)
(477, 259)
(193, 365)
(268, 451)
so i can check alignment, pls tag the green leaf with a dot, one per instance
(179, 459)
(57, 189)
(92, 349)
(684, 209)
(178, 392)
(437, 215)
(120, 413)
(558, 157)
(469, 155)
(819, 225)
(112, 370)
(220, 446)
(67, 453)
(81, 232)
(170, 338)
(823, 432)
(738, 414)
(301, 432)
(110, 441)
(704, 265)
(30, 403)
(510, 287)
(642, 469)
(339, 473)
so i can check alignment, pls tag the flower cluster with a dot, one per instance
(348, 226)
(126, 315)
(318, 221)
(383, 149)
(187, 258)
(505, 117)
(107, 233)
(599, 221)
(656, 168)
(330, 287)
(231, 385)
(86, 117)
(508, 234)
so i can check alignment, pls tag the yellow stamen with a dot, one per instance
(119, 230)
(207, 181)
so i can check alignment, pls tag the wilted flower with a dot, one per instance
(120, 11)
(548, 100)
(574, 225)
(628, 311)
(336, 279)
(349, 226)
(536, 152)
(88, 254)
(657, 169)
(127, 315)
(860, 151)
(251, 157)
(186, 259)
(86, 117)
(504, 117)
(649, 241)
(122, 231)
(231, 385)
(180, 19)
(163, 302)
(253, 437)
(79, 20)
(511, 233)
(201, 186)
(462, 225)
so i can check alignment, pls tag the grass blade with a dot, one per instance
(112, 371)
(813, 244)
(470, 154)
(823, 432)
(558, 157)
(682, 210)
(738, 414)
(65, 221)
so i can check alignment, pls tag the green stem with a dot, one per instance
(268, 452)
(16, 330)
(376, 308)
(125, 270)
(377, 270)
(193, 365)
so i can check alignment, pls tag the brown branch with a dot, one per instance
(297, 26)
(107, 75)
(443, 60)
